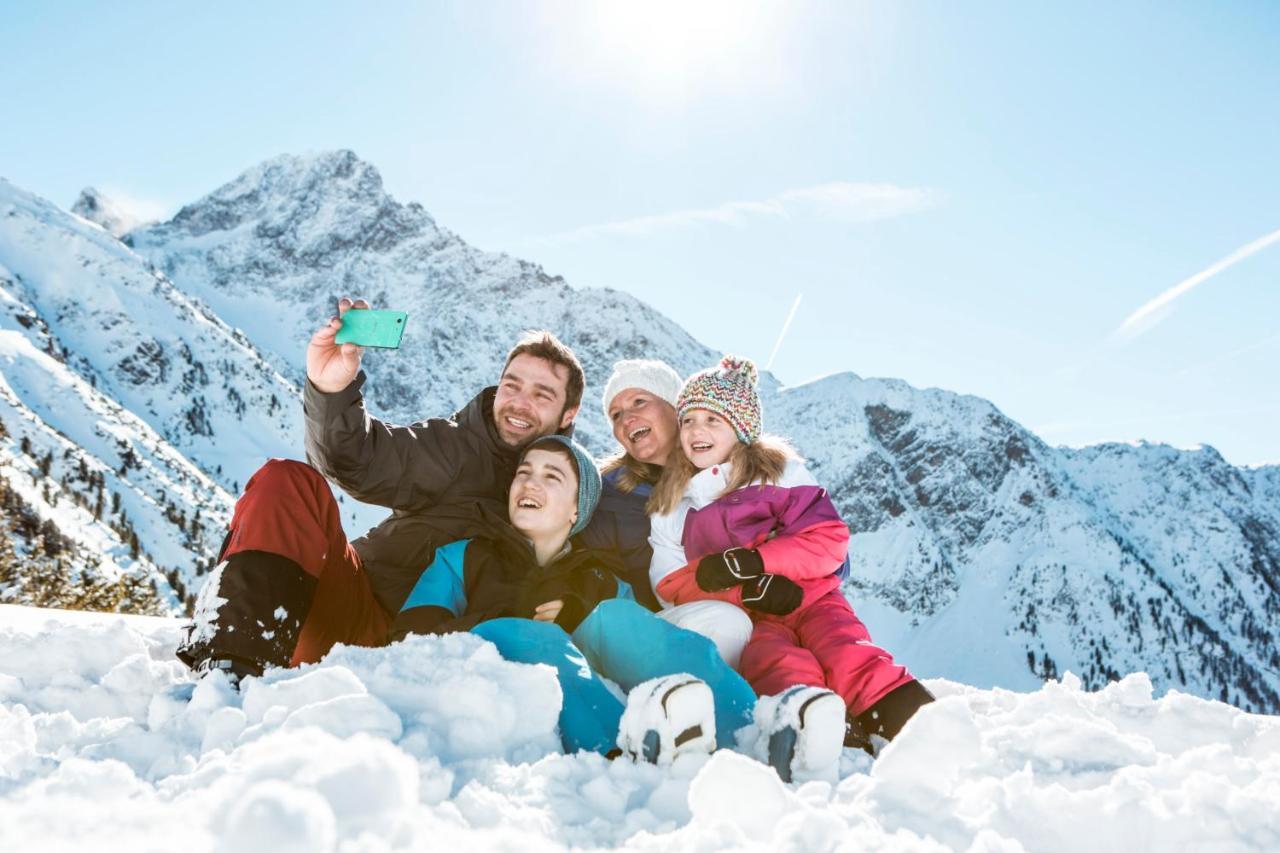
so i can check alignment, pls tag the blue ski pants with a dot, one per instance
(627, 644)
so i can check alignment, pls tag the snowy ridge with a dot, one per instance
(100, 475)
(115, 372)
(126, 329)
(438, 742)
(987, 556)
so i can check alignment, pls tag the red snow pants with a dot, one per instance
(287, 508)
(822, 645)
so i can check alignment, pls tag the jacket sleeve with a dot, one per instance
(815, 552)
(668, 549)
(393, 466)
(621, 526)
(681, 587)
(673, 578)
(813, 540)
(421, 620)
(580, 602)
(580, 588)
(438, 602)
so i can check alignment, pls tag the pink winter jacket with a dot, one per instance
(793, 524)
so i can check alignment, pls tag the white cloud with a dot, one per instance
(854, 202)
(1155, 311)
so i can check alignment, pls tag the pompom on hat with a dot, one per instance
(729, 390)
(656, 377)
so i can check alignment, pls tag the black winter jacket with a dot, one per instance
(621, 524)
(437, 476)
(496, 576)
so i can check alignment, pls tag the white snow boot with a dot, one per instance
(800, 733)
(667, 717)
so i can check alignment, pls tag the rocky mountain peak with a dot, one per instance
(99, 209)
(315, 197)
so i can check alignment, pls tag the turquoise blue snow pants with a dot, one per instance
(627, 644)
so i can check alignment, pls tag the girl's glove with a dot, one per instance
(776, 595)
(734, 566)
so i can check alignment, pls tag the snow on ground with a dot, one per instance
(439, 743)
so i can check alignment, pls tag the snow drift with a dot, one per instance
(438, 742)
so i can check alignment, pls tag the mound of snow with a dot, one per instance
(438, 742)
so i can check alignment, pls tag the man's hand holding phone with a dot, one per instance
(332, 366)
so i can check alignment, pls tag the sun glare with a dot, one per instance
(669, 48)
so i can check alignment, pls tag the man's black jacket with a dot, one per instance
(437, 476)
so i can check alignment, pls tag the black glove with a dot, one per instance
(776, 595)
(735, 566)
(571, 614)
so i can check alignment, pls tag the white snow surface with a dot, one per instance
(438, 743)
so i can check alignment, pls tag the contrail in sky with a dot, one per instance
(1150, 314)
(783, 333)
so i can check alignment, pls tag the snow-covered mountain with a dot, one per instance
(124, 327)
(95, 207)
(980, 553)
(94, 498)
(272, 251)
(119, 389)
(984, 554)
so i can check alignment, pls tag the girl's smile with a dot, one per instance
(706, 438)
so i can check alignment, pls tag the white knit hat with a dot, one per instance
(656, 377)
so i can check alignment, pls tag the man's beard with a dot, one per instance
(534, 431)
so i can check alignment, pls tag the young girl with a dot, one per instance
(738, 517)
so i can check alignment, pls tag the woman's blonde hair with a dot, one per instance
(761, 462)
(634, 472)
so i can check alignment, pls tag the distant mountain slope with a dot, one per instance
(92, 495)
(112, 370)
(81, 295)
(984, 554)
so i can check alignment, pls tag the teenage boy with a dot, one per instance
(524, 587)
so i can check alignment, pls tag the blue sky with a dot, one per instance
(968, 196)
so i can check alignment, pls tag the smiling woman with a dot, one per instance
(667, 48)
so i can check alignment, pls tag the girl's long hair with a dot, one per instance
(761, 462)
(634, 472)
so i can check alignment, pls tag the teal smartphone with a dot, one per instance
(368, 328)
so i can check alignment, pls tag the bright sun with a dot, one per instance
(670, 48)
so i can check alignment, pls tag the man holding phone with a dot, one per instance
(289, 585)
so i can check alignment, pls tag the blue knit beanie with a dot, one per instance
(588, 476)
